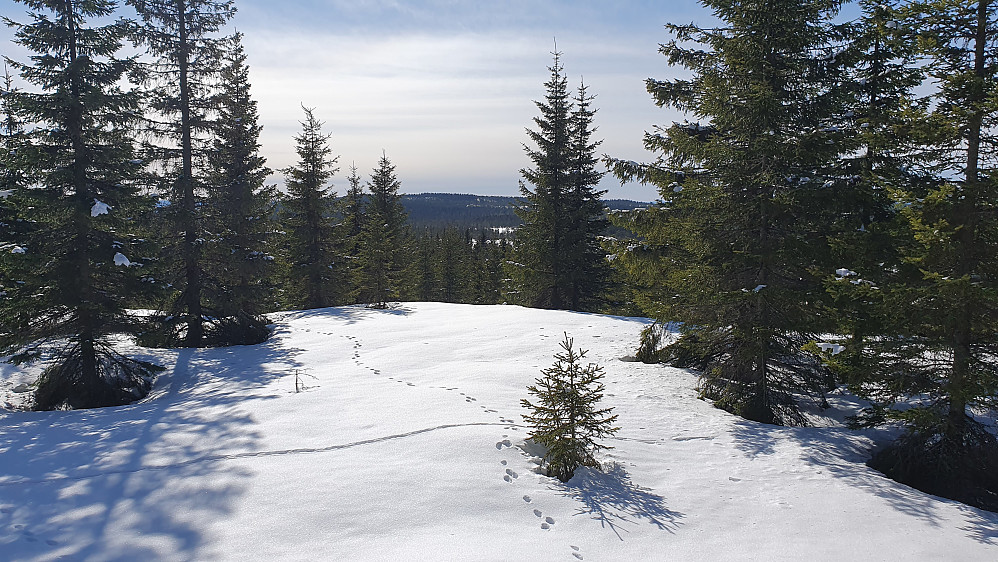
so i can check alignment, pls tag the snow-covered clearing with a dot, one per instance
(406, 444)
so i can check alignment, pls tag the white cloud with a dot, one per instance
(449, 110)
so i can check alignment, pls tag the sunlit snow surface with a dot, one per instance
(405, 444)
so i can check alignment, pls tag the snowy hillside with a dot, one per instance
(406, 444)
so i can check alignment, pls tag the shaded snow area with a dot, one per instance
(405, 443)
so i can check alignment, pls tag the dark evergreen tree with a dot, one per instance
(881, 106)
(939, 359)
(732, 248)
(80, 260)
(558, 261)
(317, 274)
(181, 36)
(422, 285)
(488, 258)
(539, 262)
(385, 237)
(454, 266)
(239, 207)
(588, 268)
(13, 181)
(352, 208)
(565, 417)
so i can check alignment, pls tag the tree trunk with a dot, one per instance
(188, 222)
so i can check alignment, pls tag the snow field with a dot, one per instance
(407, 444)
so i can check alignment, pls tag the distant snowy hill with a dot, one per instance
(404, 441)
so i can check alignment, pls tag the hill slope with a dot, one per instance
(406, 444)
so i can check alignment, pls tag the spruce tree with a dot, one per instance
(732, 249)
(422, 280)
(565, 417)
(939, 357)
(588, 268)
(352, 209)
(881, 61)
(454, 266)
(13, 182)
(385, 238)
(316, 276)
(538, 265)
(181, 36)
(239, 207)
(558, 261)
(80, 261)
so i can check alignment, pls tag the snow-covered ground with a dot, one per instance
(406, 444)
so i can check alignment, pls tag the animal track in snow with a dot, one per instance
(503, 443)
(526, 499)
(512, 474)
(538, 513)
(502, 463)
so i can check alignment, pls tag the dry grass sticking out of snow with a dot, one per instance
(404, 441)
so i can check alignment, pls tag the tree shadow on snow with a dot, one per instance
(137, 482)
(843, 453)
(350, 314)
(612, 499)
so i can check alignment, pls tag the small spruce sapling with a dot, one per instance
(565, 418)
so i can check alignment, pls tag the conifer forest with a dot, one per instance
(827, 220)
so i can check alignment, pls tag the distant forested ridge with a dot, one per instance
(437, 210)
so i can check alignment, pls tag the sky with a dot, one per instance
(445, 87)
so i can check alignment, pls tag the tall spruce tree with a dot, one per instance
(939, 356)
(557, 259)
(182, 37)
(316, 277)
(539, 249)
(80, 262)
(385, 238)
(352, 209)
(588, 268)
(881, 58)
(731, 249)
(239, 207)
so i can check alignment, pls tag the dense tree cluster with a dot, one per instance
(558, 261)
(823, 190)
(136, 183)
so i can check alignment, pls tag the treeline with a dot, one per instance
(830, 216)
(477, 212)
(136, 183)
(133, 201)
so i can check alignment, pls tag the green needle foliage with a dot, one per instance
(384, 239)
(181, 37)
(565, 417)
(558, 261)
(316, 277)
(731, 249)
(939, 357)
(238, 262)
(76, 260)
